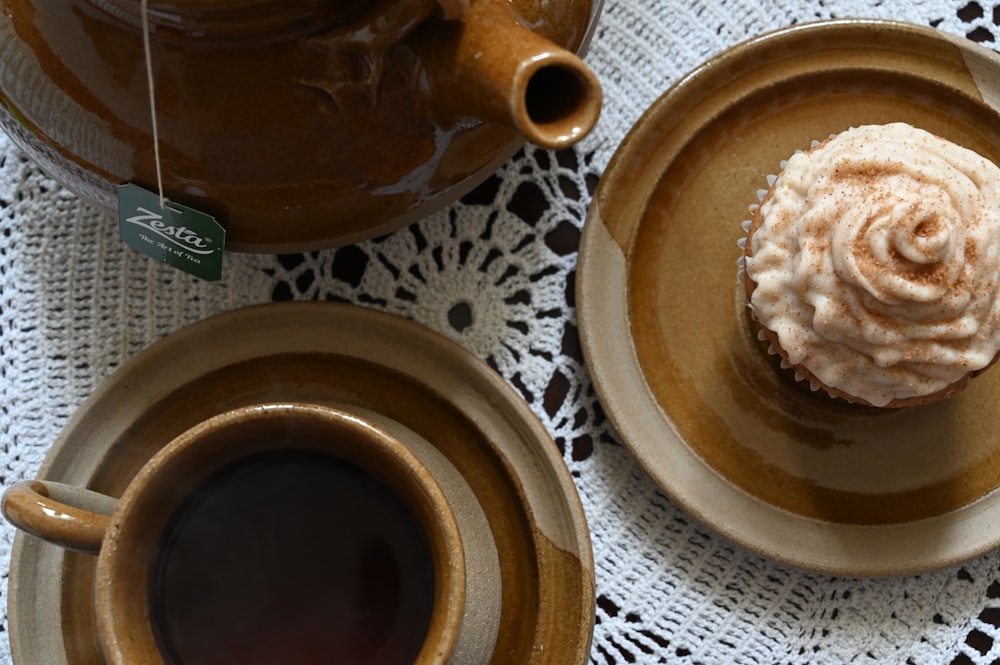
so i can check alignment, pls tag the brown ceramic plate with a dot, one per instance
(789, 474)
(336, 354)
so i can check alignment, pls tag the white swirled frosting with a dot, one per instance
(876, 261)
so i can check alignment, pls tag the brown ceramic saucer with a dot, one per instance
(330, 354)
(789, 474)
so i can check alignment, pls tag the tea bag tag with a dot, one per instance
(178, 235)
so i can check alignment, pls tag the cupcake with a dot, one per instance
(872, 265)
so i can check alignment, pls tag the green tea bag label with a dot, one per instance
(176, 234)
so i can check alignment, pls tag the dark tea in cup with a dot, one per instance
(293, 558)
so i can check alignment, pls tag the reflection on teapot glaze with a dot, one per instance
(413, 183)
(298, 125)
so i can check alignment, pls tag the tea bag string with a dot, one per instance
(144, 11)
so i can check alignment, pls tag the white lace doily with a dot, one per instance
(497, 276)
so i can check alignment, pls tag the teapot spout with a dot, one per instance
(491, 66)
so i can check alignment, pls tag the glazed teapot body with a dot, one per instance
(298, 124)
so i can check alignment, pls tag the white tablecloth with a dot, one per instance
(74, 304)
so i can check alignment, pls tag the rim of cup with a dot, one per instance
(123, 568)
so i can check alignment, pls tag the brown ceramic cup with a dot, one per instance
(149, 598)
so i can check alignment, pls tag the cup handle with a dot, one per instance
(65, 515)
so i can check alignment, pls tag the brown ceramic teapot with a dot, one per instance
(299, 124)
